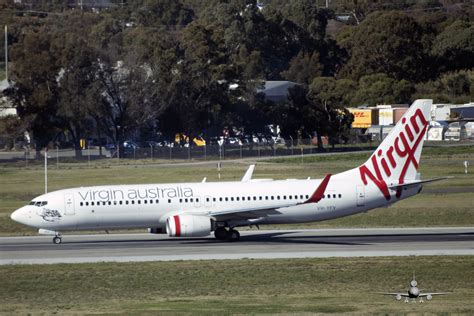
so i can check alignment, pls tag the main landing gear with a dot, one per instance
(57, 239)
(221, 233)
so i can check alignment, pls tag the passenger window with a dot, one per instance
(120, 202)
(278, 197)
(126, 202)
(180, 200)
(145, 201)
(139, 202)
(260, 198)
(307, 196)
(334, 196)
(81, 204)
(220, 199)
(87, 203)
(340, 195)
(207, 199)
(133, 202)
(290, 197)
(185, 200)
(115, 202)
(232, 199)
(226, 199)
(92, 203)
(213, 199)
(103, 203)
(272, 197)
(329, 196)
(157, 201)
(169, 200)
(237, 199)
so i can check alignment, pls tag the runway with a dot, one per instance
(314, 243)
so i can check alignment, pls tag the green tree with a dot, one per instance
(381, 89)
(158, 13)
(35, 89)
(318, 108)
(303, 68)
(387, 42)
(451, 87)
(330, 98)
(454, 47)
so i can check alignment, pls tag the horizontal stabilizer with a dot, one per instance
(411, 183)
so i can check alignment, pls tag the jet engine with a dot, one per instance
(398, 297)
(156, 230)
(188, 226)
(429, 297)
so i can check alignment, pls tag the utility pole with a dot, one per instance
(45, 170)
(6, 53)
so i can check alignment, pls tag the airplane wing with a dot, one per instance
(432, 294)
(414, 183)
(395, 294)
(257, 212)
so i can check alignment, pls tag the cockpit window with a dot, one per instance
(38, 203)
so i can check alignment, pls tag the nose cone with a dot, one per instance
(20, 215)
(415, 291)
(15, 215)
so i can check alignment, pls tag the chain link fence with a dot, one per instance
(288, 147)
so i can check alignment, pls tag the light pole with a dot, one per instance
(6, 53)
(45, 170)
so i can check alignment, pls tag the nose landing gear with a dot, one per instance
(57, 239)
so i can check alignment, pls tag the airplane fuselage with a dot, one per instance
(146, 206)
(197, 209)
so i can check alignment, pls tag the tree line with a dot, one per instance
(165, 66)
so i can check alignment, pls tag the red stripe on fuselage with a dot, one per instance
(177, 225)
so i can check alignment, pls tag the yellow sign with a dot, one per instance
(362, 118)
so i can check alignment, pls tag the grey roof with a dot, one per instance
(277, 91)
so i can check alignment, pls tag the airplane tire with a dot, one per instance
(233, 235)
(57, 240)
(220, 233)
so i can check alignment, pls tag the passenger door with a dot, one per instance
(69, 204)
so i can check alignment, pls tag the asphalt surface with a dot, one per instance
(253, 244)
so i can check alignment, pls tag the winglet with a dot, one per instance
(319, 192)
(248, 174)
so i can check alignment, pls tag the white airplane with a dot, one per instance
(197, 209)
(414, 292)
